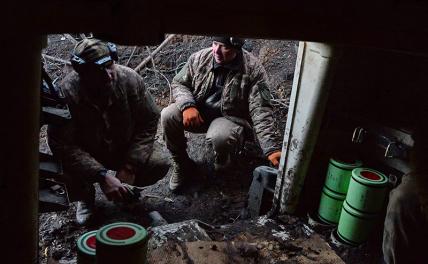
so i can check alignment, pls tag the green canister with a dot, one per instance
(122, 242)
(330, 206)
(335, 189)
(355, 226)
(367, 190)
(86, 247)
(339, 175)
(362, 206)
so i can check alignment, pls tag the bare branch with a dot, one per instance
(153, 62)
(130, 57)
(69, 37)
(168, 82)
(56, 59)
(147, 59)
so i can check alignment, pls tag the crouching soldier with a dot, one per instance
(222, 91)
(406, 222)
(111, 135)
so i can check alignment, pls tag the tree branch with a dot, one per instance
(147, 59)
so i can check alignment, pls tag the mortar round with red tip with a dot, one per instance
(122, 242)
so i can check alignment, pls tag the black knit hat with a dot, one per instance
(235, 42)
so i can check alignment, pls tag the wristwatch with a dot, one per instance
(101, 175)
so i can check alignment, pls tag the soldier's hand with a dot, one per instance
(192, 118)
(113, 188)
(274, 158)
(126, 174)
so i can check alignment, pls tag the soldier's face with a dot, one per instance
(100, 78)
(107, 74)
(223, 54)
(111, 73)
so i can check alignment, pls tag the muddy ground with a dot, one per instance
(214, 201)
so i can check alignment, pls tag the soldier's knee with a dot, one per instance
(170, 114)
(221, 140)
(224, 135)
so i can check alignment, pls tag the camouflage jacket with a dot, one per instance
(95, 139)
(406, 221)
(245, 98)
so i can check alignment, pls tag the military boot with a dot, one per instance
(180, 167)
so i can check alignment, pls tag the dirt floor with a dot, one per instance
(259, 240)
(215, 201)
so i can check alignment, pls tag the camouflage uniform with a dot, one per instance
(98, 139)
(245, 103)
(406, 222)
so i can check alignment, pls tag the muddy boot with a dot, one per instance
(180, 167)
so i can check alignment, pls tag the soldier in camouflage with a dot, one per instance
(406, 221)
(222, 91)
(110, 139)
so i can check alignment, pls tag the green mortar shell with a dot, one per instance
(355, 226)
(367, 195)
(85, 254)
(330, 206)
(132, 250)
(339, 174)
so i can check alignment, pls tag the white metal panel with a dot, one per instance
(307, 105)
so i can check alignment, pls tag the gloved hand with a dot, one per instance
(134, 192)
(192, 118)
(274, 158)
(126, 174)
(113, 188)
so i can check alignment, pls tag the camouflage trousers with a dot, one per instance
(406, 223)
(225, 137)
